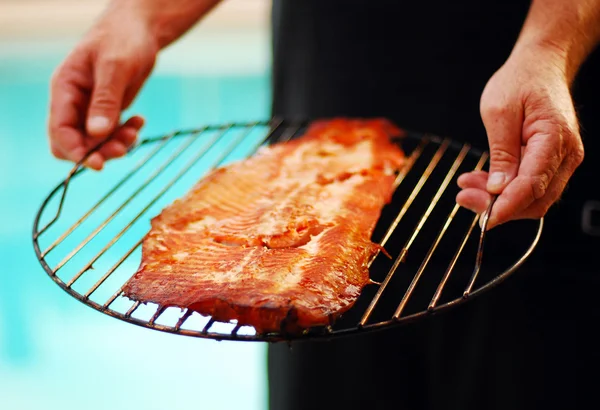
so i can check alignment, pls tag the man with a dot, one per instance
(498, 72)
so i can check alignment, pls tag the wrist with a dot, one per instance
(126, 17)
(165, 20)
(145, 13)
(547, 56)
(562, 32)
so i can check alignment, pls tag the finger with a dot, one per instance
(122, 139)
(67, 104)
(476, 200)
(56, 150)
(69, 143)
(473, 179)
(116, 147)
(95, 161)
(113, 149)
(110, 82)
(128, 132)
(110, 149)
(136, 122)
(540, 163)
(503, 125)
(539, 208)
(127, 136)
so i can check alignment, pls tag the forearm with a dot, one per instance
(166, 19)
(570, 29)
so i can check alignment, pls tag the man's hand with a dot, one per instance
(528, 114)
(104, 73)
(99, 79)
(533, 135)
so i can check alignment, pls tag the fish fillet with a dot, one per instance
(279, 241)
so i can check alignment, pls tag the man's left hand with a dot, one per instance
(534, 139)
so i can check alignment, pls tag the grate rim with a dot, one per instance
(282, 130)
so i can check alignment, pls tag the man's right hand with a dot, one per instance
(98, 80)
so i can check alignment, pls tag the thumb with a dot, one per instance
(110, 82)
(503, 125)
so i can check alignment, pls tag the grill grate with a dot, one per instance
(91, 257)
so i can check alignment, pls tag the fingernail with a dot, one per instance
(98, 124)
(496, 181)
(142, 123)
(94, 162)
(76, 154)
(481, 222)
(489, 222)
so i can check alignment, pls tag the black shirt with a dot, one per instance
(424, 64)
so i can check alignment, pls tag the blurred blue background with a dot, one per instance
(56, 353)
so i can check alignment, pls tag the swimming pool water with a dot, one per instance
(54, 351)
